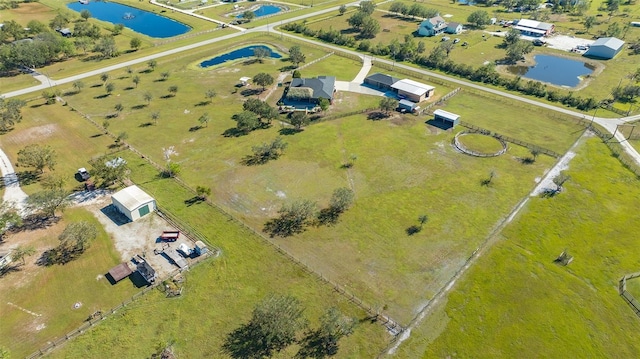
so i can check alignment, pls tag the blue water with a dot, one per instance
(556, 70)
(144, 22)
(238, 54)
(265, 10)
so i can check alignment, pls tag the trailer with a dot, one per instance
(176, 258)
(170, 236)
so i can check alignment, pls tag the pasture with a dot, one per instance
(397, 177)
(533, 307)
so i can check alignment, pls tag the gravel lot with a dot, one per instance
(132, 238)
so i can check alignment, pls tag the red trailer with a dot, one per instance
(170, 236)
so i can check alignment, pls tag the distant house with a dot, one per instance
(453, 28)
(312, 89)
(533, 28)
(605, 48)
(413, 90)
(445, 117)
(66, 32)
(432, 26)
(133, 202)
(381, 81)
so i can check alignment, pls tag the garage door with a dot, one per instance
(143, 210)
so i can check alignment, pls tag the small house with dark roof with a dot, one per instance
(312, 89)
(453, 28)
(432, 26)
(120, 272)
(605, 48)
(381, 81)
(146, 271)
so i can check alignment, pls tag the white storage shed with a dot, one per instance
(133, 202)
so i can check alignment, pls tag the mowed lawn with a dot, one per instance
(516, 302)
(219, 294)
(51, 292)
(404, 169)
(73, 138)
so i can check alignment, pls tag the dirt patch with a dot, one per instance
(34, 134)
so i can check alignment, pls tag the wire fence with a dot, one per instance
(528, 145)
(628, 297)
(440, 101)
(99, 316)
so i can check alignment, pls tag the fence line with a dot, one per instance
(528, 145)
(99, 316)
(628, 297)
(440, 101)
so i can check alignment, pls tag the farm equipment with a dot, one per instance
(170, 236)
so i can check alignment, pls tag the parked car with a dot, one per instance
(83, 173)
(446, 38)
(455, 41)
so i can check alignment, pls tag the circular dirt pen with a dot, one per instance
(479, 144)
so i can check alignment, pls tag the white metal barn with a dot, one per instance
(605, 48)
(133, 202)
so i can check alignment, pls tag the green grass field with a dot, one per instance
(515, 302)
(53, 291)
(219, 294)
(397, 176)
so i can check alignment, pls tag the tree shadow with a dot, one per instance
(411, 230)
(527, 160)
(244, 343)
(202, 103)
(35, 221)
(37, 105)
(168, 96)
(328, 217)
(139, 107)
(96, 86)
(26, 178)
(377, 116)
(128, 88)
(233, 132)
(439, 124)
(250, 62)
(288, 131)
(10, 269)
(251, 92)
(287, 68)
(194, 200)
(145, 124)
(195, 128)
(96, 135)
(101, 96)
(71, 93)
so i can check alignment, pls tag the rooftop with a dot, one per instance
(610, 42)
(534, 24)
(412, 87)
(446, 114)
(322, 86)
(132, 197)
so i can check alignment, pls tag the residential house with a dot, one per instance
(432, 26)
(312, 89)
(453, 28)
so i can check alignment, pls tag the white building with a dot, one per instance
(534, 28)
(133, 202)
(605, 48)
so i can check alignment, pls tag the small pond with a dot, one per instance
(144, 22)
(265, 10)
(555, 70)
(238, 54)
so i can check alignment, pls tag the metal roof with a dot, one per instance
(529, 29)
(132, 197)
(447, 115)
(120, 272)
(545, 26)
(610, 42)
(383, 78)
(412, 87)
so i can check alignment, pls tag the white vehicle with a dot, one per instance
(83, 173)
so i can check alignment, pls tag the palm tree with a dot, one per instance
(165, 75)
(173, 90)
(204, 119)
(210, 94)
(78, 86)
(129, 70)
(136, 80)
(118, 107)
(155, 116)
(423, 219)
(104, 77)
(148, 97)
(152, 64)
(109, 88)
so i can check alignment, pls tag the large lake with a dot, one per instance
(138, 20)
(555, 70)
